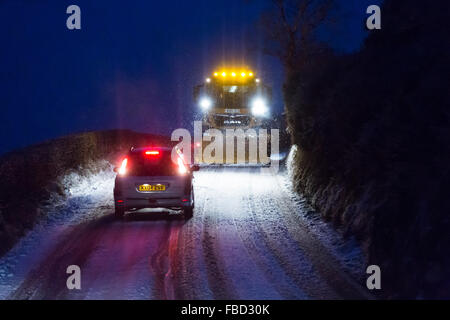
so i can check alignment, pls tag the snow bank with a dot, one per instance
(346, 250)
(87, 195)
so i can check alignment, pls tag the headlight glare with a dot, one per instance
(259, 106)
(205, 103)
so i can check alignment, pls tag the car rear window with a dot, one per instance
(140, 164)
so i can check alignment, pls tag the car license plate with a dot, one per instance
(151, 187)
(232, 110)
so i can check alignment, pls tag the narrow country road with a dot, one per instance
(246, 240)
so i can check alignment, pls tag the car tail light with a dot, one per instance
(181, 166)
(123, 167)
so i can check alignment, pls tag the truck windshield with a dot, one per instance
(235, 89)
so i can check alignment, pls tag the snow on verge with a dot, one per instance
(346, 251)
(83, 194)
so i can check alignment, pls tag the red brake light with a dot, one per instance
(152, 152)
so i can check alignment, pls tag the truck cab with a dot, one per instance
(233, 98)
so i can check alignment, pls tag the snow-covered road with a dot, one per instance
(251, 237)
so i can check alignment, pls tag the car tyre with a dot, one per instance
(188, 213)
(119, 213)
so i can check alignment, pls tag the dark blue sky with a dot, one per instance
(133, 64)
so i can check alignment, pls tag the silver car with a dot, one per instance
(152, 178)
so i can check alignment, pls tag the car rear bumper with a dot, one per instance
(141, 203)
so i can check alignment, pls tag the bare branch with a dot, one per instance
(291, 28)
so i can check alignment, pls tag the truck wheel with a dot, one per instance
(119, 213)
(188, 213)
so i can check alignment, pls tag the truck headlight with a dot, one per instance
(205, 103)
(259, 106)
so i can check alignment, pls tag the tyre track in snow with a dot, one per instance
(166, 265)
(262, 254)
(243, 271)
(220, 285)
(269, 248)
(172, 277)
(279, 246)
(190, 277)
(159, 264)
(48, 280)
(108, 253)
(262, 260)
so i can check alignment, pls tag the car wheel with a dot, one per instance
(119, 213)
(188, 213)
